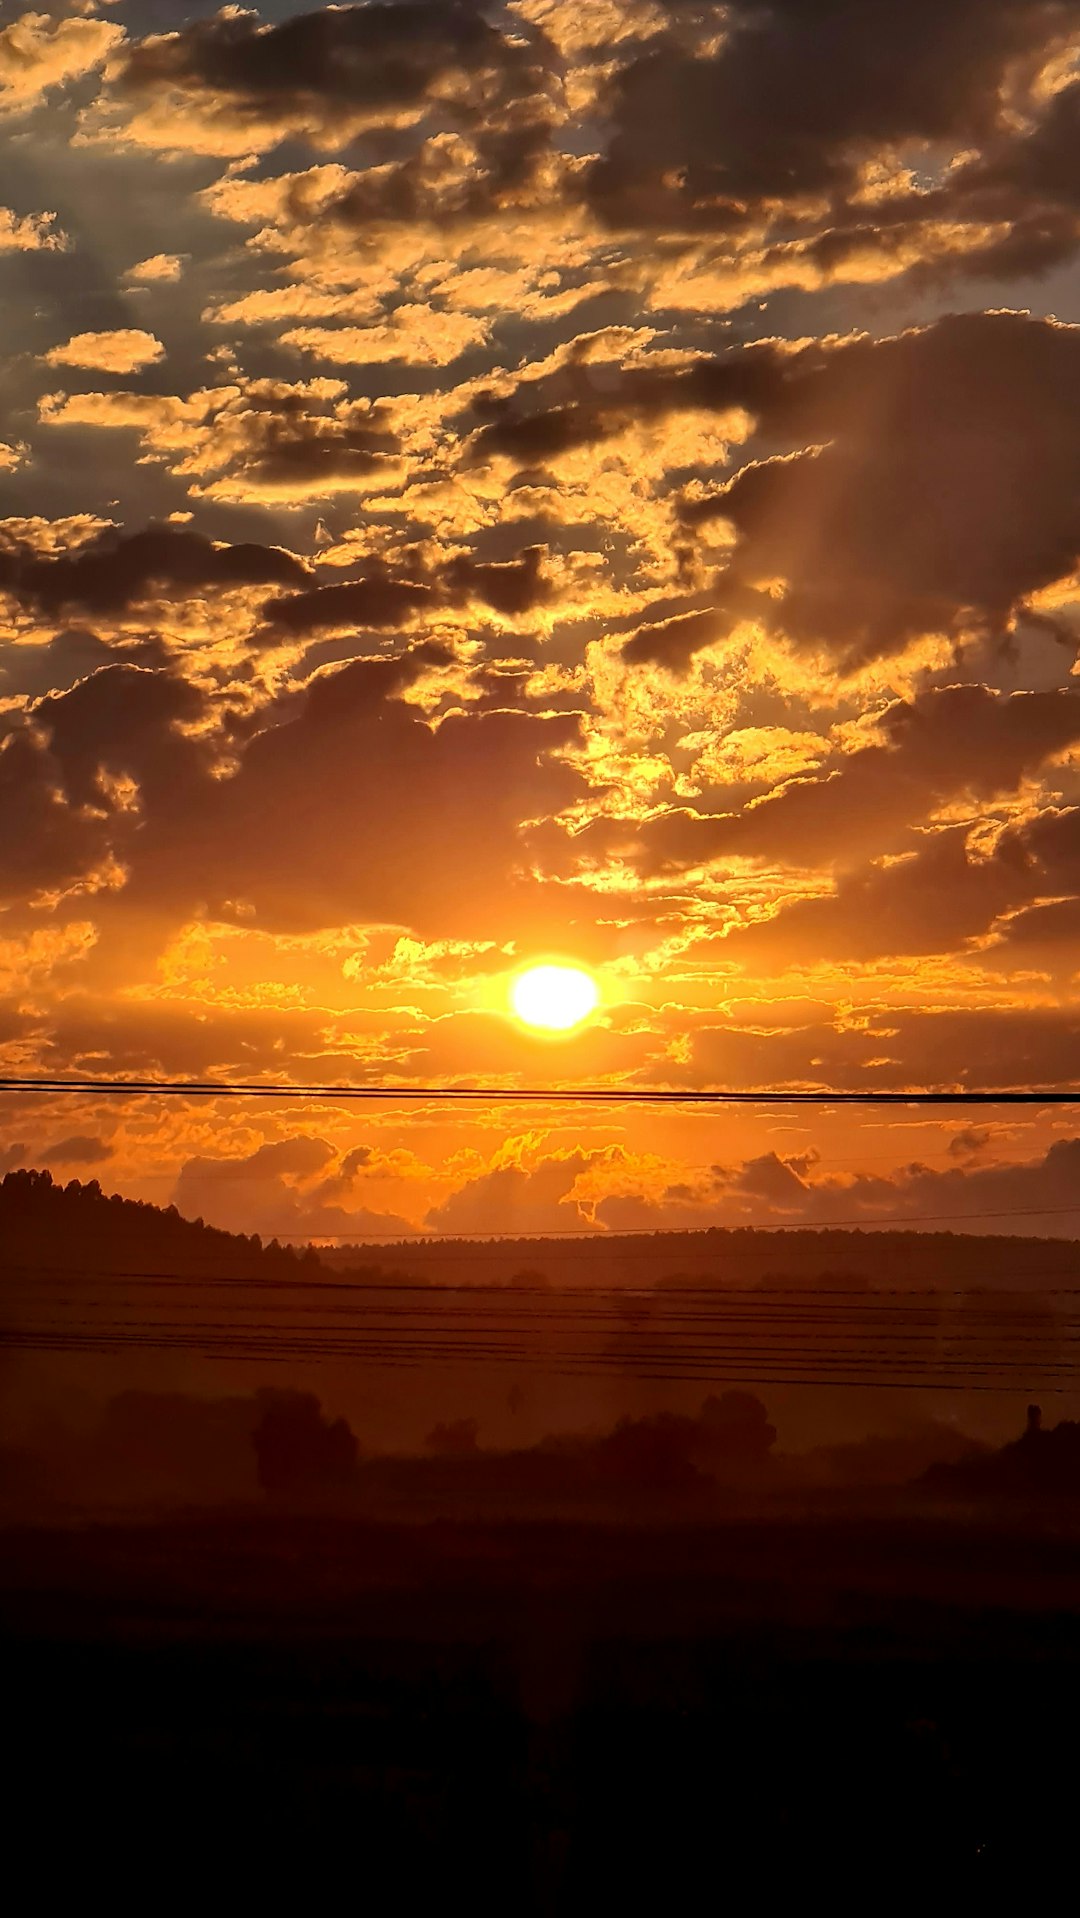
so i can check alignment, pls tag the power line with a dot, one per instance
(896, 1345)
(784, 1338)
(852, 1297)
(502, 1095)
(430, 1289)
(469, 1322)
(1005, 1330)
(658, 1367)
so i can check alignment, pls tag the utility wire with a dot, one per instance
(656, 1367)
(703, 1292)
(509, 1095)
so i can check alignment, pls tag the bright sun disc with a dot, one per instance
(554, 997)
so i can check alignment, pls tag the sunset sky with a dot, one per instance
(578, 480)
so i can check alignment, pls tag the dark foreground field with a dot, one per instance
(540, 1719)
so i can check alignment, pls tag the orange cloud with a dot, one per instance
(417, 335)
(158, 267)
(38, 54)
(29, 233)
(124, 350)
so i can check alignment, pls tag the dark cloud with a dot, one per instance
(591, 397)
(940, 492)
(506, 168)
(971, 1140)
(58, 814)
(983, 1047)
(74, 653)
(797, 96)
(382, 599)
(1008, 211)
(117, 571)
(279, 445)
(355, 1160)
(932, 900)
(1031, 188)
(756, 122)
(927, 482)
(376, 600)
(943, 743)
(44, 844)
(1046, 847)
(1041, 858)
(81, 1149)
(671, 642)
(339, 68)
(123, 720)
(1054, 927)
(405, 824)
(516, 1198)
(532, 439)
(177, 1039)
(511, 586)
(290, 1189)
(1034, 1196)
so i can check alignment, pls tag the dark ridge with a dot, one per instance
(825, 1257)
(78, 1228)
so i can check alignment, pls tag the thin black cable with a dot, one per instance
(298, 1340)
(718, 1292)
(866, 1347)
(264, 1354)
(995, 1336)
(888, 1322)
(582, 1095)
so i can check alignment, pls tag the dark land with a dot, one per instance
(543, 1718)
(256, 1650)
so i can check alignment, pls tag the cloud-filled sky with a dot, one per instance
(594, 479)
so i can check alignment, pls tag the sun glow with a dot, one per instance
(554, 998)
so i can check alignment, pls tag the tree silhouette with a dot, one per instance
(298, 1450)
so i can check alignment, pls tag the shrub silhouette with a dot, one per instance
(298, 1450)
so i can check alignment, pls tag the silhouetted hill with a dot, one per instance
(77, 1228)
(828, 1258)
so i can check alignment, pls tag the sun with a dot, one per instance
(554, 998)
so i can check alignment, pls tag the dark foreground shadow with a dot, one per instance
(539, 1719)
